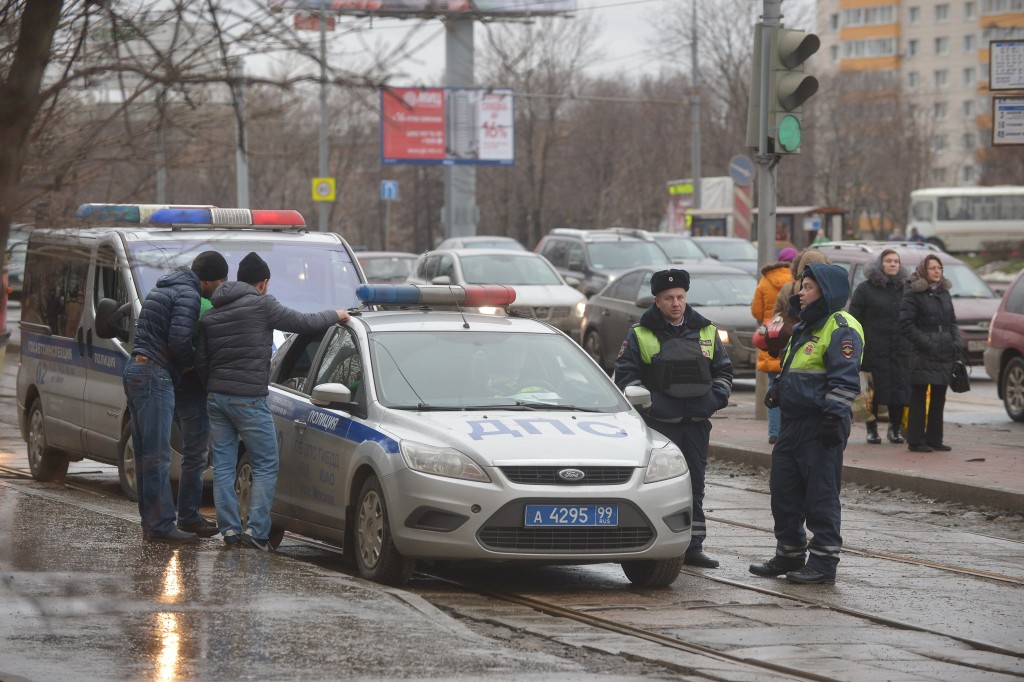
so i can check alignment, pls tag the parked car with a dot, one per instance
(678, 247)
(721, 293)
(424, 435)
(732, 251)
(541, 293)
(973, 300)
(481, 241)
(1004, 357)
(386, 267)
(17, 247)
(593, 258)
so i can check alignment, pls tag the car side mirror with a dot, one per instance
(645, 302)
(332, 396)
(112, 319)
(638, 396)
(441, 279)
(573, 281)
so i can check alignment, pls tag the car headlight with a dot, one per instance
(581, 308)
(667, 462)
(723, 335)
(441, 462)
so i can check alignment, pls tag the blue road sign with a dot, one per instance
(389, 190)
(741, 170)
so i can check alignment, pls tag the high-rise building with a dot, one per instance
(937, 53)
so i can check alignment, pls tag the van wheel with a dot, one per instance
(1013, 389)
(126, 464)
(936, 241)
(653, 573)
(45, 463)
(243, 487)
(376, 556)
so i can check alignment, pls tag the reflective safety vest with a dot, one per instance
(809, 356)
(683, 366)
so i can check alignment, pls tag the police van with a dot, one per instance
(82, 294)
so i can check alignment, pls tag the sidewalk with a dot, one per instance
(985, 467)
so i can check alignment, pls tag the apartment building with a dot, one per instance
(936, 52)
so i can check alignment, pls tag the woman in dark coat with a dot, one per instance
(876, 305)
(929, 322)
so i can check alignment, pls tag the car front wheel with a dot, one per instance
(592, 344)
(1013, 389)
(45, 463)
(653, 572)
(376, 556)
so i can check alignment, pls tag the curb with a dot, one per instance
(951, 491)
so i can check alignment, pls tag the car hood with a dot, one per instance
(546, 295)
(503, 437)
(728, 316)
(974, 310)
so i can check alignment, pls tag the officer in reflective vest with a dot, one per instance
(676, 354)
(816, 389)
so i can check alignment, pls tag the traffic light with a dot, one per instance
(790, 86)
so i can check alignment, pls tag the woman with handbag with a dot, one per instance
(876, 304)
(773, 277)
(928, 321)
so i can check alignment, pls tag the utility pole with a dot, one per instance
(695, 113)
(322, 208)
(242, 141)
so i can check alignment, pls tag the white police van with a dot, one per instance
(83, 291)
(416, 434)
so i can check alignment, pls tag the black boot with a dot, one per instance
(894, 433)
(873, 437)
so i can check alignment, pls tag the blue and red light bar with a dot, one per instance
(125, 213)
(227, 217)
(474, 296)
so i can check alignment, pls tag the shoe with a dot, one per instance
(809, 576)
(873, 437)
(776, 566)
(255, 543)
(940, 448)
(919, 448)
(700, 559)
(232, 539)
(172, 537)
(894, 434)
(772, 440)
(204, 528)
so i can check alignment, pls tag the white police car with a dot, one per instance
(416, 434)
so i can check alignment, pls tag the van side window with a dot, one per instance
(109, 282)
(54, 289)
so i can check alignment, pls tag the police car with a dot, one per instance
(410, 434)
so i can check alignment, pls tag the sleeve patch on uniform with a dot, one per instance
(622, 349)
(846, 348)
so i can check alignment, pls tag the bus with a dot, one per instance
(961, 219)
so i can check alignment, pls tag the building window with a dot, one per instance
(1001, 6)
(942, 46)
(938, 176)
(970, 76)
(968, 142)
(941, 78)
(834, 53)
(833, 22)
(969, 43)
(967, 174)
(968, 108)
(912, 80)
(914, 15)
(941, 13)
(912, 47)
(869, 16)
(940, 110)
(970, 10)
(983, 71)
(939, 143)
(877, 47)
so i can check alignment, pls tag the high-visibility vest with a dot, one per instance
(683, 367)
(809, 356)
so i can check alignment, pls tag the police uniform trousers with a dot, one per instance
(692, 438)
(805, 480)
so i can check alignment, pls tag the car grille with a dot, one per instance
(744, 339)
(565, 539)
(540, 312)
(548, 475)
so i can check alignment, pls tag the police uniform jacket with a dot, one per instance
(821, 365)
(928, 320)
(664, 407)
(167, 321)
(876, 305)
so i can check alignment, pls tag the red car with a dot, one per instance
(1004, 357)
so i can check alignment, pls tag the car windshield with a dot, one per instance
(306, 277)
(387, 268)
(626, 253)
(680, 248)
(511, 269)
(731, 250)
(966, 284)
(719, 289)
(483, 369)
(497, 243)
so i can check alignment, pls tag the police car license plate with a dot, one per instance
(603, 515)
(975, 346)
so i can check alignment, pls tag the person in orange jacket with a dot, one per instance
(773, 277)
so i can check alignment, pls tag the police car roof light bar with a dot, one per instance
(477, 295)
(125, 213)
(228, 217)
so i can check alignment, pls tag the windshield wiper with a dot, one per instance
(538, 405)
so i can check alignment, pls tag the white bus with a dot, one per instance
(959, 219)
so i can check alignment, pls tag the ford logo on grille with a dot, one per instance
(571, 475)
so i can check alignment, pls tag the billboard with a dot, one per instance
(407, 7)
(447, 126)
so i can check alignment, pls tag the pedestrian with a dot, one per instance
(820, 237)
(896, 235)
(816, 390)
(773, 277)
(792, 287)
(676, 354)
(915, 236)
(162, 352)
(928, 320)
(233, 360)
(876, 304)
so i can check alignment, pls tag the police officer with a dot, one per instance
(676, 354)
(816, 389)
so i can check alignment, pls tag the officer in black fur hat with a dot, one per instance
(676, 354)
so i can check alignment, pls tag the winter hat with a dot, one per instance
(669, 279)
(253, 269)
(787, 255)
(210, 266)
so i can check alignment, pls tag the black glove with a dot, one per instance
(828, 431)
(771, 396)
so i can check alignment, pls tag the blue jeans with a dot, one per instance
(233, 417)
(150, 393)
(774, 413)
(194, 424)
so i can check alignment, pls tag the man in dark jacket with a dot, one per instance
(676, 354)
(162, 351)
(820, 379)
(233, 360)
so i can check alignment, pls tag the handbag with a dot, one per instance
(960, 381)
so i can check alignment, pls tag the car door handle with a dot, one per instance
(300, 424)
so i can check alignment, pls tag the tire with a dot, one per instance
(126, 464)
(937, 242)
(376, 556)
(592, 344)
(653, 573)
(243, 487)
(45, 463)
(1013, 389)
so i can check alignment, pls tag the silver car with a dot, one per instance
(424, 435)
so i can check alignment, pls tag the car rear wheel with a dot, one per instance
(592, 344)
(376, 556)
(937, 242)
(45, 463)
(1013, 389)
(653, 573)
(126, 464)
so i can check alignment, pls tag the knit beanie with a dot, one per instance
(253, 269)
(210, 266)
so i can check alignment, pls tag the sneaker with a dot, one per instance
(810, 576)
(232, 539)
(776, 566)
(255, 543)
(204, 528)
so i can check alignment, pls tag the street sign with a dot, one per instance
(1007, 120)
(741, 170)
(389, 190)
(1006, 65)
(323, 189)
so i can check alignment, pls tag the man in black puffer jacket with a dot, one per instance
(162, 352)
(233, 360)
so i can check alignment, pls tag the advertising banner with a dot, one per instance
(406, 7)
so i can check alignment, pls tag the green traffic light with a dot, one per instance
(789, 133)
